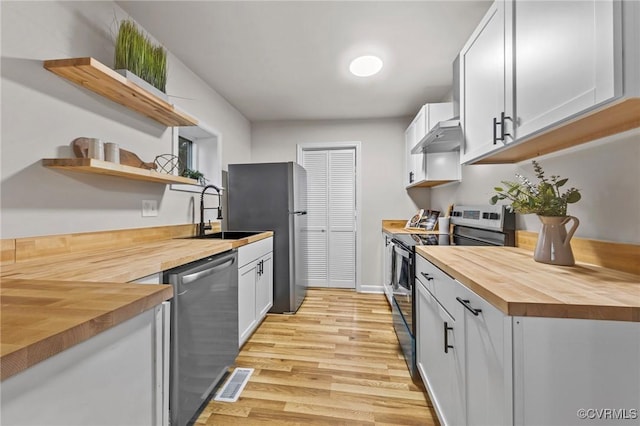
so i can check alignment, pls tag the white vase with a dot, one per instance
(554, 241)
(142, 84)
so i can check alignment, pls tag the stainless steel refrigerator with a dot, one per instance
(273, 196)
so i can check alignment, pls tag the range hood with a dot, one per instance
(446, 135)
(443, 137)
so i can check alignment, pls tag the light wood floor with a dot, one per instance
(336, 361)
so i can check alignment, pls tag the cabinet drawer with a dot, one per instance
(441, 285)
(253, 251)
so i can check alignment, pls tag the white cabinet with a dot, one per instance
(149, 279)
(531, 67)
(255, 285)
(564, 365)
(387, 258)
(429, 169)
(485, 83)
(485, 339)
(118, 377)
(565, 60)
(439, 359)
(505, 370)
(264, 285)
(413, 162)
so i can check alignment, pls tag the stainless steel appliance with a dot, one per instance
(204, 331)
(273, 196)
(473, 226)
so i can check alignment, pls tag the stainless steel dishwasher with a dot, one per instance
(204, 331)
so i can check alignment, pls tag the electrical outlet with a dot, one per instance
(149, 208)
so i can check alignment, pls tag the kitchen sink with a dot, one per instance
(228, 235)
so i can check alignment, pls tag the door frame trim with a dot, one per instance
(344, 145)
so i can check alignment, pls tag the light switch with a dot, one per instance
(149, 208)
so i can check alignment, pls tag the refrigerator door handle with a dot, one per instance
(299, 212)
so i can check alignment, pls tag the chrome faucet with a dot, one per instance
(202, 227)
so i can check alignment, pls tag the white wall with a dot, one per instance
(383, 196)
(42, 113)
(606, 172)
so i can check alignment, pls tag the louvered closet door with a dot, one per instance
(331, 218)
(315, 162)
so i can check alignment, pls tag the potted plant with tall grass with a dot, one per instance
(140, 60)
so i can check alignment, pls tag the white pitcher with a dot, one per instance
(554, 242)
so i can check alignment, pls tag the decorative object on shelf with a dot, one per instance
(81, 150)
(95, 149)
(112, 152)
(194, 174)
(168, 163)
(136, 53)
(545, 200)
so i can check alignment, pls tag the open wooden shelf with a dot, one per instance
(97, 77)
(90, 165)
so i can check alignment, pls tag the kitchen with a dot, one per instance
(37, 201)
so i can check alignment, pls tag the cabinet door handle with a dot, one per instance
(426, 276)
(261, 267)
(503, 134)
(465, 303)
(447, 346)
(410, 177)
(495, 130)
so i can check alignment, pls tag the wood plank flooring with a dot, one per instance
(335, 362)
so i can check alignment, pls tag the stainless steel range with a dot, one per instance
(482, 225)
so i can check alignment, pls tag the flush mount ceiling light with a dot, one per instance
(365, 66)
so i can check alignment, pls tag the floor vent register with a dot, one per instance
(234, 385)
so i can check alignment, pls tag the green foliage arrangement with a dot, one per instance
(194, 174)
(543, 199)
(136, 53)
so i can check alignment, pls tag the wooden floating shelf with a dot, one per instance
(90, 165)
(97, 77)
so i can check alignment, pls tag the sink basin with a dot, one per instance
(228, 235)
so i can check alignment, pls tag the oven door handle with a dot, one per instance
(399, 249)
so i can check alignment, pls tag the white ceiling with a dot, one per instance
(289, 60)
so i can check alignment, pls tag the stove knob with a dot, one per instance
(494, 216)
(485, 215)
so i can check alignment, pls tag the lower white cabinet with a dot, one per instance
(439, 358)
(255, 285)
(118, 377)
(482, 367)
(485, 341)
(387, 256)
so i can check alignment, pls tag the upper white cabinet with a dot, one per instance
(565, 59)
(441, 165)
(486, 101)
(541, 76)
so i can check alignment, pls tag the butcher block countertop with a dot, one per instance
(509, 279)
(53, 303)
(397, 227)
(41, 318)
